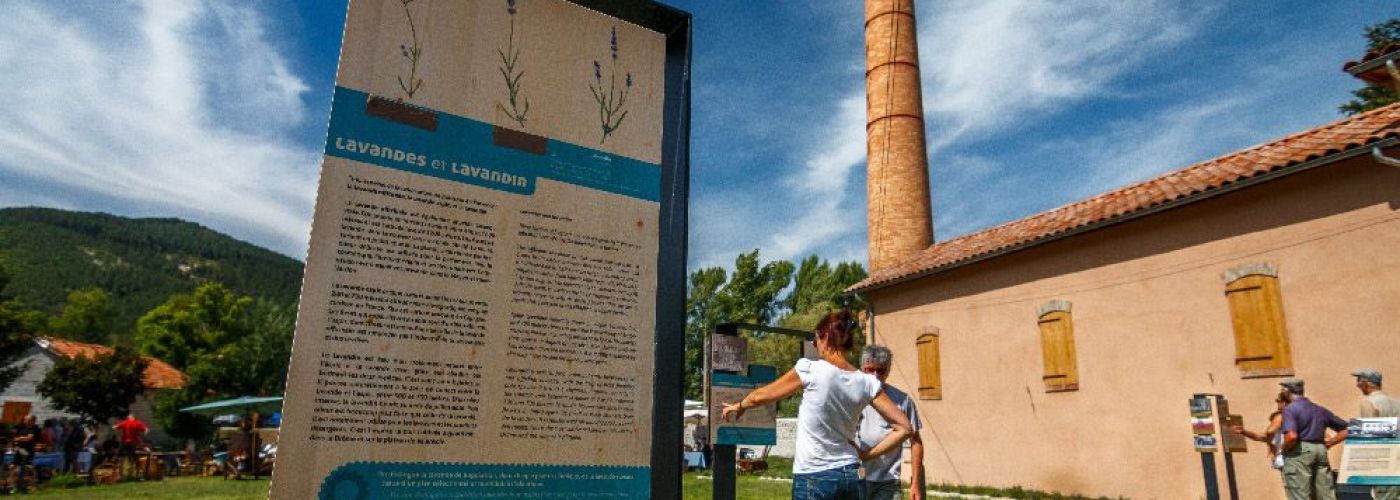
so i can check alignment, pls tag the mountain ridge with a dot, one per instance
(140, 262)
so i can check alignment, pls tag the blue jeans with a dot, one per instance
(883, 490)
(840, 483)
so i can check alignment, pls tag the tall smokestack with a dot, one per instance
(897, 162)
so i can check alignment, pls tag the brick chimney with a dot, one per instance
(897, 161)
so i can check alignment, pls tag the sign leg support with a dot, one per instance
(1212, 484)
(1230, 476)
(724, 467)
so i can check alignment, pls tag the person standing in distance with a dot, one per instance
(27, 436)
(1376, 404)
(133, 434)
(882, 472)
(834, 393)
(1307, 474)
(1271, 435)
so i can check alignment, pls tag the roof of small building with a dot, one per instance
(1187, 185)
(1371, 67)
(159, 374)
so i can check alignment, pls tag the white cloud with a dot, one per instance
(722, 224)
(172, 108)
(986, 64)
(1138, 150)
(821, 189)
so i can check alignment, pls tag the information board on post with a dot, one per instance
(1235, 442)
(497, 248)
(1371, 452)
(1202, 424)
(730, 353)
(758, 425)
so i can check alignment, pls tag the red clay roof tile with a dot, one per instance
(159, 374)
(1196, 180)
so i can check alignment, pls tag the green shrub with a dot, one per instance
(63, 481)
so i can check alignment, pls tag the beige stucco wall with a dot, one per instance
(1151, 327)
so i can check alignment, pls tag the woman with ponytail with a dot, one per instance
(833, 394)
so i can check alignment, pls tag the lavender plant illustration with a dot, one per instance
(413, 54)
(510, 57)
(612, 101)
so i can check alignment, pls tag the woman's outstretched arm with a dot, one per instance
(785, 386)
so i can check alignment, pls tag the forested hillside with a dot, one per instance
(140, 263)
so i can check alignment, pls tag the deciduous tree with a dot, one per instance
(753, 293)
(187, 326)
(96, 389)
(229, 345)
(702, 314)
(86, 316)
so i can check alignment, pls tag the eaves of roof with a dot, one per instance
(1299, 152)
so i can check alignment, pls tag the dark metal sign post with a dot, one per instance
(1222, 408)
(1210, 436)
(724, 463)
(1201, 408)
(1212, 485)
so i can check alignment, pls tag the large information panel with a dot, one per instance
(494, 236)
(1371, 454)
(759, 424)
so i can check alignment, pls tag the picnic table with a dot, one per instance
(695, 460)
(41, 460)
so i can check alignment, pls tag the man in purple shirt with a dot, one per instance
(1307, 474)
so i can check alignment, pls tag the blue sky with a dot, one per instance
(214, 110)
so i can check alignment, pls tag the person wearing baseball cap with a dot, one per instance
(1376, 404)
(1307, 473)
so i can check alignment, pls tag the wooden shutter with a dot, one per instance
(1057, 346)
(14, 411)
(1261, 341)
(930, 379)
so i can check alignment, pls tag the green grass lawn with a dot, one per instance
(749, 487)
(212, 488)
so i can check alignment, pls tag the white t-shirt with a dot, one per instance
(873, 429)
(832, 400)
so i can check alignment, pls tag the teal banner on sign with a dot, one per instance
(746, 435)
(373, 480)
(758, 425)
(463, 150)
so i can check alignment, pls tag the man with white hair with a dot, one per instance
(1376, 404)
(882, 472)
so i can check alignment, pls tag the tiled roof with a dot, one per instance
(1183, 185)
(159, 374)
(1371, 66)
